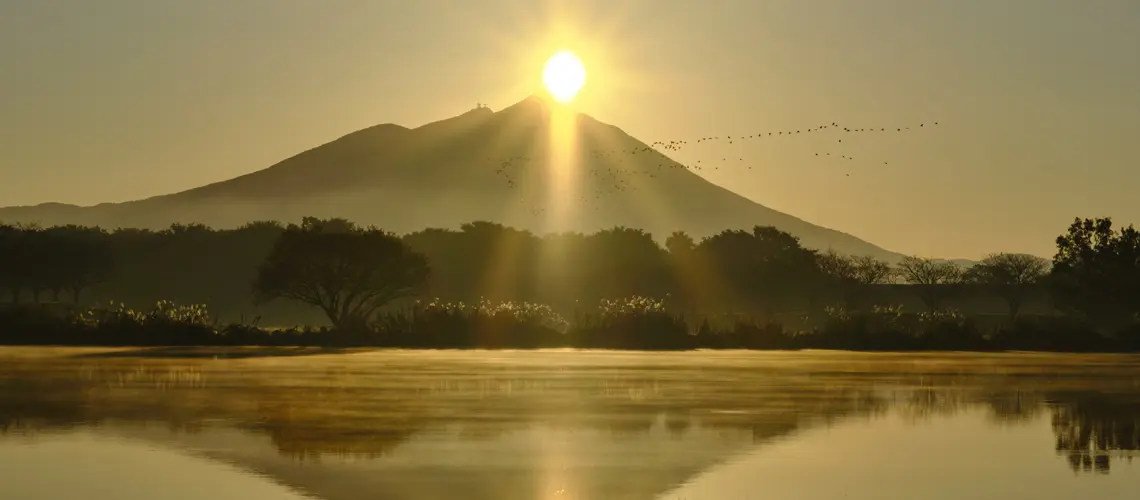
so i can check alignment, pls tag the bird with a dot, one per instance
(618, 170)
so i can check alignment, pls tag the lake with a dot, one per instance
(347, 425)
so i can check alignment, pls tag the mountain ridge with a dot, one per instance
(462, 167)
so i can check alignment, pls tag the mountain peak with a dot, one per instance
(535, 102)
(539, 99)
(480, 110)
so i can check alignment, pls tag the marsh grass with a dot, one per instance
(633, 323)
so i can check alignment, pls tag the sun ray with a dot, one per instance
(499, 278)
(562, 166)
(649, 201)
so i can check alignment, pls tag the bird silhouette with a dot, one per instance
(614, 170)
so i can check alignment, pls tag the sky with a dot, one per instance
(1036, 100)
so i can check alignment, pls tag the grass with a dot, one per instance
(632, 323)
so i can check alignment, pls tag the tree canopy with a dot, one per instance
(56, 259)
(930, 278)
(346, 271)
(761, 270)
(1009, 275)
(1097, 269)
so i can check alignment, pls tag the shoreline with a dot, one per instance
(255, 351)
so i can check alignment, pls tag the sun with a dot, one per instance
(564, 75)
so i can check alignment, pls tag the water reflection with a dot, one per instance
(562, 424)
(100, 467)
(892, 458)
(1090, 426)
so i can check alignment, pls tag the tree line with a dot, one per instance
(334, 271)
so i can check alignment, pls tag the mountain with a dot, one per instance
(517, 166)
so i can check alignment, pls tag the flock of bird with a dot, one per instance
(613, 169)
(607, 181)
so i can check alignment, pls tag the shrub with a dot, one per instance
(630, 323)
(747, 334)
(483, 324)
(634, 322)
(949, 330)
(1051, 333)
(882, 328)
(164, 324)
(32, 324)
(1128, 338)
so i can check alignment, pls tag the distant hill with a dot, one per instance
(481, 165)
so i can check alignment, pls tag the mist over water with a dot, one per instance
(565, 424)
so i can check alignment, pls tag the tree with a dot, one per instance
(11, 265)
(680, 244)
(930, 277)
(837, 266)
(872, 271)
(87, 259)
(624, 262)
(854, 274)
(24, 260)
(345, 271)
(333, 225)
(1009, 275)
(1097, 269)
(686, 277)
(765, 267)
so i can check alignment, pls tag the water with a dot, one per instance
(304, 424)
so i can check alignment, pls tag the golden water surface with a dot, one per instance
(347, 425)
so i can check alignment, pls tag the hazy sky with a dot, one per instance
(1038, 100)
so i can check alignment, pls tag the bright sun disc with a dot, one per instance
(564, 76)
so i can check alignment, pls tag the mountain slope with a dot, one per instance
(517, 166)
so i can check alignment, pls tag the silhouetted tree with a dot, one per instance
(687, 278)
(92, 260)
(481, 259)
(12, 266)
(1097, 269)
(765, 266)
(56, 259)
(333, 225)
(1009, 275)
(739, 271)
(346, 271)
(625, 262)
(930, 278)
(33, 261)
(872, 271)
(853, 274)
(680, 244)
(837, 265)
